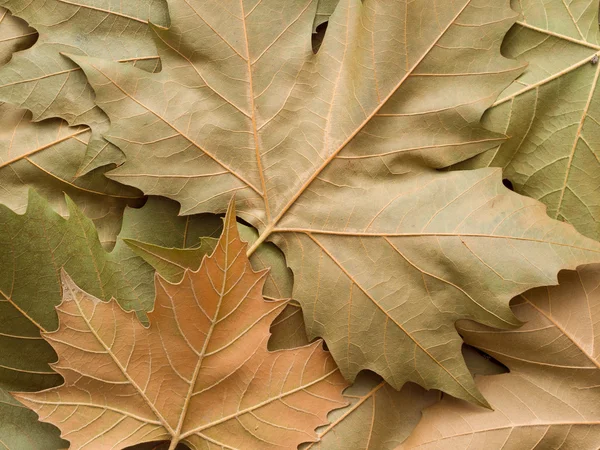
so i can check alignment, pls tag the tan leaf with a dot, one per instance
(35, 246)
(50, 85)
(377, 418)
(552, 111)
(333, 157)
(551, 398)
(46, 156)
(15, 35)
(201, 373)
(287, 330)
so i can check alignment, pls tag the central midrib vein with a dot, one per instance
(177, 434)
(253, 117)
(272, 223)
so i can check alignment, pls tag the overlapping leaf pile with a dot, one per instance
(365, 164)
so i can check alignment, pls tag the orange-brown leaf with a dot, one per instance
(201, 373)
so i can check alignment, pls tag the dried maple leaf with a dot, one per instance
(46, 156)
(552, 112)
(378, 417)
(15, 35)
(287, 330)
(333, 158)
(50, 85)
(551, 397)
(201, 373)
(34, 248)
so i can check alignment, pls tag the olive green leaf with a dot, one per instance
(332, 157)
(42, 80)
(34, 248)
(552, 112)
(377, 418)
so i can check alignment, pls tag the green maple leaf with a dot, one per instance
(35, 246)
(333, 157)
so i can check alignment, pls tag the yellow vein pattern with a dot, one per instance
(552, 111)
(48, 84)
(46, 156)
(200, 374)
(533, 406)
(343, 145)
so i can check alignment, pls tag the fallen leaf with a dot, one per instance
(46, 156)
(377, 418)
(42, 80)
(550, 399)
(332, 157)
(15, 35)
(325, 9)
(34, 248)
(287, 330)
(552, 111)
(200, 374)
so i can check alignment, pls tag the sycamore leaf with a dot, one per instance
(50, 85)
(552, 112)
(46, 156)
(21, 430)
(325, 9)
(563, 319)
(287, 330)
(15, 35)
(34, 251)
(377, 418)
(551, 398)
(34, 247)
(332, 157)
(200, 374)
(526, 415)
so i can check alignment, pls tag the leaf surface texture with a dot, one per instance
(33, 252)
(550, 399)
(50, 85)
(201, 373)
(552, 111)
(332, 156)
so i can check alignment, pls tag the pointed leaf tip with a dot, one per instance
(200, 373)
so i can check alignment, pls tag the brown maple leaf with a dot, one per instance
(201, 373)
